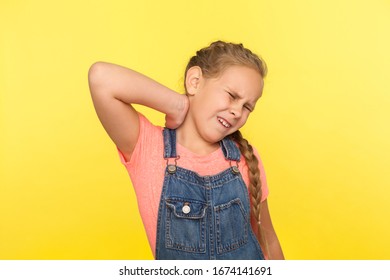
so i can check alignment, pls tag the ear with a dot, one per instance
(193, 78)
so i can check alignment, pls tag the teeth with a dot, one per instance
(224, 123)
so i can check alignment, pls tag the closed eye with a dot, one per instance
(231, 95)
(249, 108)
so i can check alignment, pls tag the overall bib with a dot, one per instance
(204, 217)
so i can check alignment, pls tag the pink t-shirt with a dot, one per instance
(147, 165)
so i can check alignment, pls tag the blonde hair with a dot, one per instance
(213, 60)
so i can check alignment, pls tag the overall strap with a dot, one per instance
(169, 143)
(230, 149)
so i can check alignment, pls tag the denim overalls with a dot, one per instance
(204, 217)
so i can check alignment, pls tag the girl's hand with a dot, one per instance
(179, 111)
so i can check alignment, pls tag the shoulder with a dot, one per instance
(149, 142)
(150, 135)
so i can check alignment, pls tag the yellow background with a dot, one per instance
(322, 126)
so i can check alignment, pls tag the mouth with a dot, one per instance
(224, 122)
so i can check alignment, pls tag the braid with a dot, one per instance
(254, 184)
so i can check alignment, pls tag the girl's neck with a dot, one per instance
(186, 137)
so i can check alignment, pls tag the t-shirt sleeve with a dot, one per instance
(146, 137)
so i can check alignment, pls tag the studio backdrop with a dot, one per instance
(321, 127)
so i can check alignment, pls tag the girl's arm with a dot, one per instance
(114, 88)
(272, 243)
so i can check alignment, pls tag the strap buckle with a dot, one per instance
(172, 167)
(235, 169)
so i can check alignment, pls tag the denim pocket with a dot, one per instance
(231, 226)
(185, 225)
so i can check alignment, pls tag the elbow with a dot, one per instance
(95, 75)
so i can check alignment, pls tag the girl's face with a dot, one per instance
(220, 106)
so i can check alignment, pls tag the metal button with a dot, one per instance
(235, 170)
(186, 209)
(171, 169)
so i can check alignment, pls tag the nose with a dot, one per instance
(236, 111)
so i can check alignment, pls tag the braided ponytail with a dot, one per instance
(255, 190)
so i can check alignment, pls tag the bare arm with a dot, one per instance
(114, 88)
(272, 243)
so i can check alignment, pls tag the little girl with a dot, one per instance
(200, 186)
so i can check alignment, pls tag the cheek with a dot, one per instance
(213, 105)
(243, 120)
